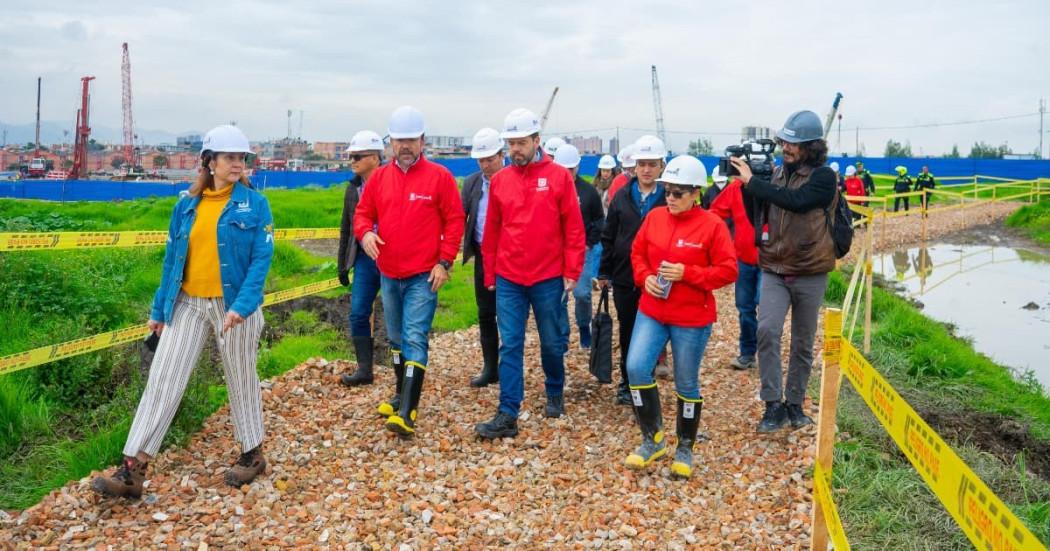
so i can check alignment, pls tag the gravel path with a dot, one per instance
(338, 479)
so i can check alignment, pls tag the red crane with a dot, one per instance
(129, 134)
(83, 132)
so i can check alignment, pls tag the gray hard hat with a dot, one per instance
(801, 126)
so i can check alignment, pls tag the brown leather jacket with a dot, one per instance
(796, 207)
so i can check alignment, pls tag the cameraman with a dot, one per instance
(789, 206)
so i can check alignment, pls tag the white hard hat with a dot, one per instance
(834, 166)
(851, 170)
(406, 122)
(552, 145)
(567, 156)
(520, 123)
(607, 161)
(717, 176)
(486, 143)
(365, 140)
(649, 148)
(226, 139)
(626, 156)
(684, 170)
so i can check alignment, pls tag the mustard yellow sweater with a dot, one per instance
(202, 278)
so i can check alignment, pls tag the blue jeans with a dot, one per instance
(748, 284)
(409, 305)
(687, 346)
(363, 291)
(512, 314)
(582, 293)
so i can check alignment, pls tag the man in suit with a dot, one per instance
(487, 149)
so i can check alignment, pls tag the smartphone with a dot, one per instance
(151, 341)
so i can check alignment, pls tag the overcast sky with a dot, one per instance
(721, 65)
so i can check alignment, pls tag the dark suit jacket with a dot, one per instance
(471, 196)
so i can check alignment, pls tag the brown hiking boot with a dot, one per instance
(126, 482)
(250, 465)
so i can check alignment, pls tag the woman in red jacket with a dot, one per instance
(681, 254)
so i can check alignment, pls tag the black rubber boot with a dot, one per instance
(650, 421)
(489, 351)
(796, 415)
(390, 407)
(404, 421)
(623, 391)
(686, 426)
(363, 375)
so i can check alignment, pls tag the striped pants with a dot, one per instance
(178, 351)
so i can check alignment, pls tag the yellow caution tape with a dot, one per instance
(983, 517)
(47, 354)
(822, 489)
(99, 240)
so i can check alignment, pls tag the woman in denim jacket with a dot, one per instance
(220, 244)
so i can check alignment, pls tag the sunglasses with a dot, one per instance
(355, 158)
(676, 193)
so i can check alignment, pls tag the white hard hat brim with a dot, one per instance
(229, 149)
(484, 154)
(677, 182)
(648, 157)
(406, 135)
(517, 134)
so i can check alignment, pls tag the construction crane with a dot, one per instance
(129, 133)
(37, 116)
(658, 108)
(547, 110)
(83, 133)
(831, 115)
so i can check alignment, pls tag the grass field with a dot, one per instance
(1034, 220)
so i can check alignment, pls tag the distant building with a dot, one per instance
(614, 146)
(189, 142)
(749, 133)
(446, 145)
(587, 146)
(332, 150)
(284, 148)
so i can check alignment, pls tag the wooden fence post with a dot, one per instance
(830, 380)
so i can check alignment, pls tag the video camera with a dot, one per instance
(758, 154)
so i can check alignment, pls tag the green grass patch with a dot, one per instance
(883, 501)
(1034, 220)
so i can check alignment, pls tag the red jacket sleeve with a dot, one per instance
(640, 255)
(723, 268)
(365, 214)
(493, 229)
(575, 238)
(451, 219)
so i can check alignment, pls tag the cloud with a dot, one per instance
(465, 65)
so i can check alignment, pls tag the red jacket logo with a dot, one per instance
(414, 197)
(684, 243)
(541, 184)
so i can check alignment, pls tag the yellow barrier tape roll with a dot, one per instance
(57, 241)
(47, 354)
(822, 489)
(983, 517)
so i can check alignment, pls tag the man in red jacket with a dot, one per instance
(729, 206)
(410, 220)
(533, 254)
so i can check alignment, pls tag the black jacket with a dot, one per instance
(471, 197)
(591, 209)
(709, 196)
(347, 242)
(621, 225)
(760, 193)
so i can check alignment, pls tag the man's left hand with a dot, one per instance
(569, 284)
(438, 277)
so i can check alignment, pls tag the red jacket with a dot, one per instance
(854, 186)
(729, 205)
(696, 238)
(419, 213)
(617, 184)
(533, 229)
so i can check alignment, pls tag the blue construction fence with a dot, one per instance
(107, 190)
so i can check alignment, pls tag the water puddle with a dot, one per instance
(998, 297)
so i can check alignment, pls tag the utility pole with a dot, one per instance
(856, 143)
(289, 136)
(38, 116)
(300, 124)
(1042, 111)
